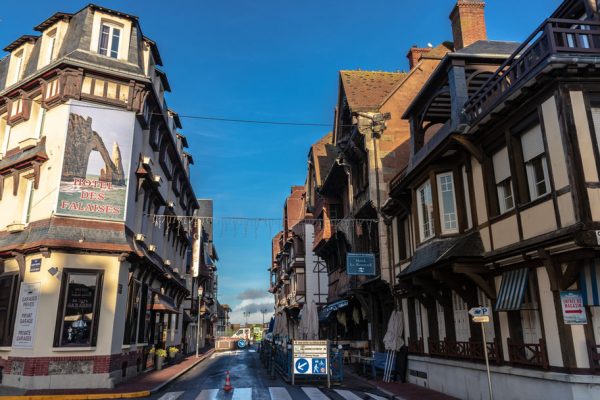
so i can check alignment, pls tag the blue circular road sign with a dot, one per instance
(241, 343)
(302, 365)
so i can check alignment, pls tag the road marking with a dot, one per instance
(279, 393)
(346, 394)
(209, 394)
(242, 394)
(374, 396)
(314, 393)
(171, 396)
(251, 351)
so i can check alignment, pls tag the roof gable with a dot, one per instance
(366, 90)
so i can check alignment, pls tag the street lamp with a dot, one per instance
(199, 327)
(264, 311)
(246, 315)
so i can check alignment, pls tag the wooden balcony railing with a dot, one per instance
(464, 350)
(594, 355)
(528, 354)
(553, 37)
(416, 346)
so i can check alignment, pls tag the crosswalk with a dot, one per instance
(273, 393)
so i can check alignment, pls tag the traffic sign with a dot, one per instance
(481, 319)
(479, 311)
(301, 366)
(241, 343)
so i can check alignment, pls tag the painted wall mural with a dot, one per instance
(96, 163)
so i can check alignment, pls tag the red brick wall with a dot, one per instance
(414, 55)
(468, 23)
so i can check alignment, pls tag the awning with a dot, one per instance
(512, 290)
(589, 282)
(330, 308)
(164, 304)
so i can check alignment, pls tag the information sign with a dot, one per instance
(360, 264)
(573, 308)
(29, 298)
(35, 265)
(310, 357)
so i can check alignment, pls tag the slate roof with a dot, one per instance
(324, 154)
(489, 48)
(366, 90)
(437, 251)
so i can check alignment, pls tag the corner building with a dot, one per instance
(92, 167)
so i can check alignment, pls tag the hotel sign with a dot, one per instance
(360, 264)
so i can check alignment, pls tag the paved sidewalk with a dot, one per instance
(400, 391)
(142, 385)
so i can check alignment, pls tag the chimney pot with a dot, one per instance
(468, 23)
(414, 55)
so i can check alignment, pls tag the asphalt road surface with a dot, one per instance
(251, 381)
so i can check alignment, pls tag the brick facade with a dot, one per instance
(468, 23)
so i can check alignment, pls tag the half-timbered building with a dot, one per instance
(499, 207)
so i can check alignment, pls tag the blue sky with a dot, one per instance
(271, 60)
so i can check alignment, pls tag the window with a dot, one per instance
(134, 301)
(503, 181)
(9, 284)
(78, 317)
(50, 46)
(535, 162)
(28, 203)
(425, 211)
(109, 40)
(447, 203)
(17, 66)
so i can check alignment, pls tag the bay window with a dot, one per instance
(77, 324)
(425, 211)
(110, 36)
(503, 180)
(536, 164)
(447, 202)
(9, 290)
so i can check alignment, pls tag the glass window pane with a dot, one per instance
(103, 47)
(5, 296)
(114, 46)
(78, 314)
(448, 210)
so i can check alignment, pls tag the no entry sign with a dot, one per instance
(573, 308)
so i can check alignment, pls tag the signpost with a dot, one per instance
(482, 316)
(573, 308)
(310, 357)
(360, 264)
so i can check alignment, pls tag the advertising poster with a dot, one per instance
(29, 298)
(573, 308)
(96, 163)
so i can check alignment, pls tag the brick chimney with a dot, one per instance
(468, 23)
(414, 55)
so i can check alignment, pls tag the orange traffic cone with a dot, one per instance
(227, 386)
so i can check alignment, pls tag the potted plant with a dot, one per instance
(173, 352)
(151, 356)
(160, 358)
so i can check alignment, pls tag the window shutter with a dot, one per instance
(501, 165)
(532, 143)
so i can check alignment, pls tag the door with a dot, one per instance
(461, 318)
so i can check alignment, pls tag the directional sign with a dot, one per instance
(481, 319)
(479, 311)
(241, 343)
(301, 366)
(573, 308)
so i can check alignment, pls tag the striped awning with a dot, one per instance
(512, 290)
(589, 282)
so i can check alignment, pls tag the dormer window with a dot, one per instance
(51, 44)
(18, 66)
(110, 36)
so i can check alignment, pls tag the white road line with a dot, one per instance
(314, 393)
(346, 394)
(242, 394)
(171, 396)
(209, 394)
(279, 393)
(374, 396)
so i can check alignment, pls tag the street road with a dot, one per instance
(251, 381)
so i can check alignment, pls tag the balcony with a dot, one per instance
(464, 350)
(322, 232)
(555, 39)
(528, 354)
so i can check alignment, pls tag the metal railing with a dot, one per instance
(552, 37)
(528, 354)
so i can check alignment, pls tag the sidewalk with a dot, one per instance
(400, 391)
(142, 385)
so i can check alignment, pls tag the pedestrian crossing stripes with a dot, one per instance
(272, 393)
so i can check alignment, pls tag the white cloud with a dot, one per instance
(254, 306)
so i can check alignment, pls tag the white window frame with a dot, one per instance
(421, 191)
(18, 65)
(503, 177)
(39, 125)
(442, 210)
(532, 180)
(27, 203)
(502, 195)
(50, 47)
(109, 44)
(534, 140)
(467, 197)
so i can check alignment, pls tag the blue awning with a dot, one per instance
(512, 290)
(330, 308)
(589, 283)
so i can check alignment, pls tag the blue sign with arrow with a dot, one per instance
(302, 365)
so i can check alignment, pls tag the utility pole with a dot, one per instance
(246, 315)
(264, 311)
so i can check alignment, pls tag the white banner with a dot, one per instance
(29, 297)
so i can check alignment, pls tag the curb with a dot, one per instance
(99, 396)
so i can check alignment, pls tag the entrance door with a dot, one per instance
(530, 314)
(461, 318)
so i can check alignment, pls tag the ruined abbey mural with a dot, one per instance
(96, 163)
